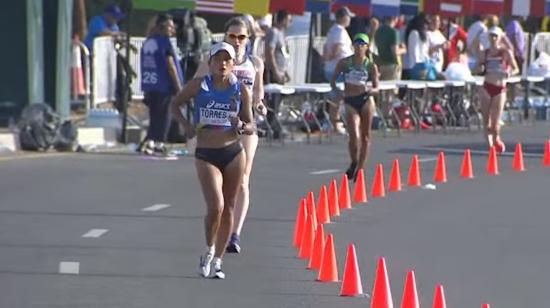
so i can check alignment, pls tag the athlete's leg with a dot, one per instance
(232, 177)
(485, 100)
(250, 143)
(365, 130)
(352, 126)
(497, 105)
(211, 180)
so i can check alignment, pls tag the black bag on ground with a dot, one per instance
(37, 127)
(66, 139)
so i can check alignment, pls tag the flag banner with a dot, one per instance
(215, 6)
(489, 6)
(385, 7)
(448, 8)
(410, 7)
(318, 6)
(163, 5)
(359, 7)
(297, 7)
(256, 7)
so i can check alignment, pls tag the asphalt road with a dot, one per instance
(485, 239)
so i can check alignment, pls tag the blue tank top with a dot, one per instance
(213, 108)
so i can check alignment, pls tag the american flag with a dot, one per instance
(215, 6)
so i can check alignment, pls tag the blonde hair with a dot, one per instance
(237, 21)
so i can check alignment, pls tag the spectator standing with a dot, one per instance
(276, 64)
(390, 50)
(104, 25)
(457, 41)
(373, 26)
(514, 32)
(438, 43)
(337, 46)
(276, 49)
(418, 48)
(161, 78)
(475, 31)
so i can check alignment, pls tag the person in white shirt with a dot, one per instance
(437, 42)
(475, 31)
(417, 42)
(337, 46)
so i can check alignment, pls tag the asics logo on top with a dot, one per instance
(216, 105)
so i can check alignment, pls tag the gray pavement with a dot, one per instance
(484, 239)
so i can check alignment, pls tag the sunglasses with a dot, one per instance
(240, 37)
(360, 43)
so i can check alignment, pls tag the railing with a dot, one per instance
(80, 67)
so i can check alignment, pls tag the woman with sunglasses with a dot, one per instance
(496, 63)
(249, 70)
(358, 69)
(222, 112)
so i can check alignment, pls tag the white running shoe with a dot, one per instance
(218, 273)
(205, 263)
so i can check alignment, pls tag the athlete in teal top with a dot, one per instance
(358, 69)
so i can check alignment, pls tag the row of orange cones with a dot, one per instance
(309, 233)
(323, 259)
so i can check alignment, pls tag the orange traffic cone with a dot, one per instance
(546, 160)
(410, 296)
(360, 194)
(310, 202)
(300, 222)
(485, 306)
(414, 173)
(323, 215)
(395, 177)
(333, 204)
(317, 249)
(351, 282)
(329, 267)
(378, 189)
(310, 207)
(492, 164)
(439, 297)
(344, 197)
(307, 239)
(467, 171)
(440, 175)
(381, 293)
(518, 158)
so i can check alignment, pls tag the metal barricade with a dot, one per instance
(81, 61)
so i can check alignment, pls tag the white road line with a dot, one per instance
(328, 171)
(72, 268)
(427, 159)
(509, 152)
(156, 207)
(95, 233)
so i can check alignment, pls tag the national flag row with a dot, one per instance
(448, 8)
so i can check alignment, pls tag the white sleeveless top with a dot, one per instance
(246, 72)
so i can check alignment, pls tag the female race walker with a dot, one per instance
(249, 70)
(357, 70)
(497, 64)
(222, 112)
